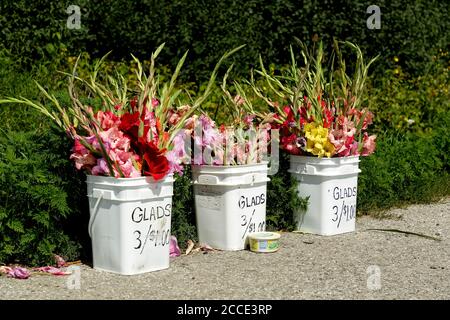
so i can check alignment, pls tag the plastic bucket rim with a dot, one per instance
(230, 170)
(323, 160)
(113, 180)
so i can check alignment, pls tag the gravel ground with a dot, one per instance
(306, 267)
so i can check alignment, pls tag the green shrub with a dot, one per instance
(183, 214)
(406, 168)
(40, 211)
(413, 31)
(282, 198)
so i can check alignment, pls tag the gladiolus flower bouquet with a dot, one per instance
(321, 114)
(130, 132)
(243, 139)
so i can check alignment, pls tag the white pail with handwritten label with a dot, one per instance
(230, 203)
(130, 223)
(331, 185)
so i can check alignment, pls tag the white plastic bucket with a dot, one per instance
(230, 203)
(130, 223)
(332, 185)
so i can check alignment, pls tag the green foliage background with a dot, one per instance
(43, 207)
(411, 30)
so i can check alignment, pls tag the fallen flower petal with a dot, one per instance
(52, 270)
(5, 270)
(173, 247)
(19, 273)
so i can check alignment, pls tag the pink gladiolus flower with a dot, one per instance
(123, 159)
(101, 168)
(343, 138)
(151, 131)
(198, 141)
(150, 117)
(92, 140)
(174, 163)
(248, 119)
(82, 157)
(181, 140)
(336, 142)
(206, 122)
(368, 144)
(107, 119)
(178, 154)
(210, 137)
(354, 149)
(129, 170)
(113, 138)
(120, 156)
(83, 161)
(173, 247)
(342, 141)
(155, 102)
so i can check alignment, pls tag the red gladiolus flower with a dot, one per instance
(156, 161)
(222, 128)
(133, 103)
(79, 148)
(289, 143)
(327, 118)
(290, 118)
(129, 123)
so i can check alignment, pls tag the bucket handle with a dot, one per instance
(94, 211)
(307, 169)
(248, 179)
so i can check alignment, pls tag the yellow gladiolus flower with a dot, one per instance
(317, 141)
